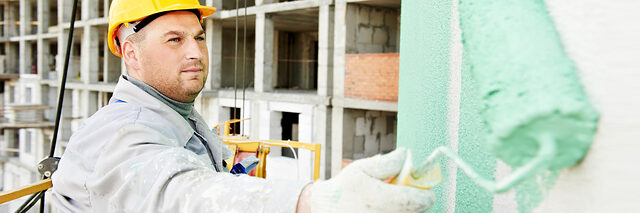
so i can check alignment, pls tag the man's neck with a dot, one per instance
(184, 109)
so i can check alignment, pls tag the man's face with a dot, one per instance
(173, 56)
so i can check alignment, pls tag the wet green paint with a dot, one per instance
(472, 148)
(424, 76)
(528, 86)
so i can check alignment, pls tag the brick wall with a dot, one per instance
(372, 76)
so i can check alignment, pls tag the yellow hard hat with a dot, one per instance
(125, 11)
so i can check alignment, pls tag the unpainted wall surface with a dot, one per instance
(371, 29)
(372, 76)
(439, 105)
(368, 133)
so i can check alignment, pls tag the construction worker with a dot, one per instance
(148, 150)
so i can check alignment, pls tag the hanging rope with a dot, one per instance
(235, 70)
(244, 63)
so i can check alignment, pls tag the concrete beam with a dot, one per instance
(269, 8)
(353, 103)
(303, 98)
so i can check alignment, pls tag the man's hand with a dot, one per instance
(359, 188)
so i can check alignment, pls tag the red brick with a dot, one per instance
(372, 76)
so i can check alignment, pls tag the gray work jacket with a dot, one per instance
(130, 156)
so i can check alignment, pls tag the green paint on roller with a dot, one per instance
(424, 77)
(528, 84)
(529, 88)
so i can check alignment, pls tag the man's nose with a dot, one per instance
(193, 51)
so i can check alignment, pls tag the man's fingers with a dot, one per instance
(382, 166)
(383, 197)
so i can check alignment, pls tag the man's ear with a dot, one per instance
(130, 55)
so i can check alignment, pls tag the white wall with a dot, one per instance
(603, 39)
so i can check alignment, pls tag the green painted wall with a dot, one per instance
(472, 147)
(424, 77)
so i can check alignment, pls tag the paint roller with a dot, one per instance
(535, 110)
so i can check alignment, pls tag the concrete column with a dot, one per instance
(336, 140)
(255, 117)
(24, 57)
(105, 8)
(339, 48)
(305, 133)
(269, 122)
(322, 120)
(11, 60)
(215, 3)
(214, 45)
(25, 17)
(43, 16)
(62, 48)
(111, 66)
(321, 135)
(90, 66)
(64, 11)
(42, 47)
(10, 11)
(24, 50)
(89, 100)
(5, 17)
(325, 50)
(89, 9)
(264, 53)
(338, 86)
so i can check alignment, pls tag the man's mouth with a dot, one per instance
(192, 70)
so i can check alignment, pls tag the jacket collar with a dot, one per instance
(130, 93)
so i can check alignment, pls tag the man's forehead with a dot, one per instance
(178, 21)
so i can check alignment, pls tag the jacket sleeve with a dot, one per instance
(143, 170)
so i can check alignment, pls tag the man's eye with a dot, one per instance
(200, 38)
(174, 40)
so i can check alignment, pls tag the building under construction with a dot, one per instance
(316, 71)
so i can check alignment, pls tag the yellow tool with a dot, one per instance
(421, 178)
